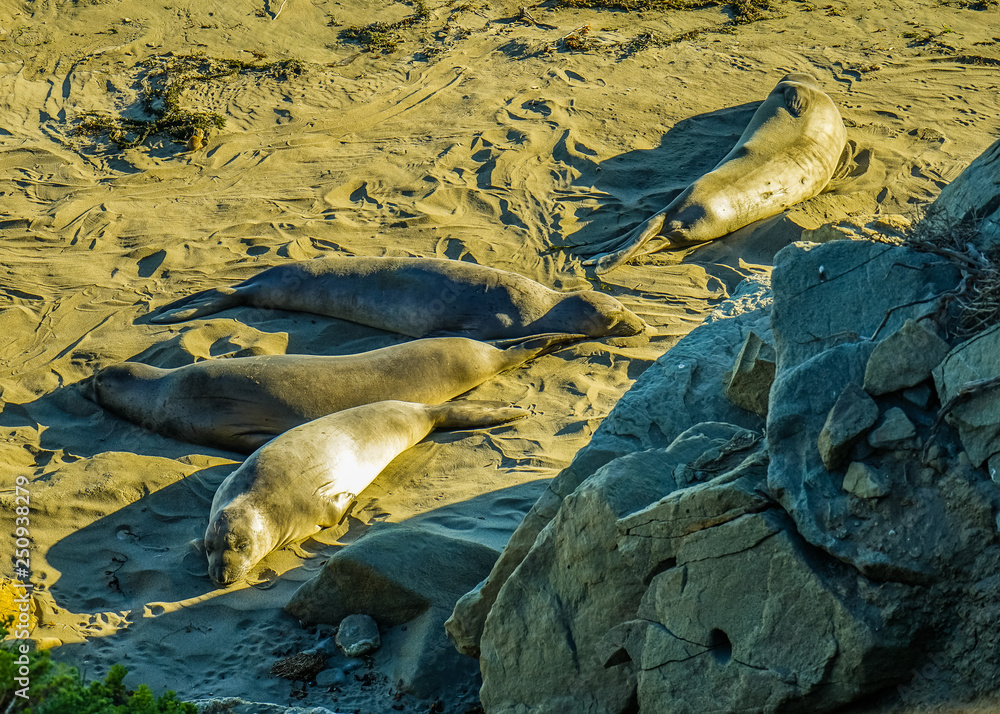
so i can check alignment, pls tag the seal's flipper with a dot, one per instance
(797, 99)
(207, 302)
(607, 263)
(338, 504)
(522, 349)
(473, 414)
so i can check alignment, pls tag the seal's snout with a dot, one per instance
(88, 387)
(221, 572)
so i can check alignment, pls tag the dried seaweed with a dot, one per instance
(166, 79)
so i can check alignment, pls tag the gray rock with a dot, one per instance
(235, 705)
(972, 199)
(919, 396)
(993, 468)
(904, 359)
(894, 431)
(358, 635)
(814, 324)
(864, 481)
(332, 677)
(977, 418)
(749, 383)
(748, 621)
(863, 284)
(683, 388)
(585, 574)
(704, 600)
(393, 574)
(852, 415)
(424, 662)
(408, 580)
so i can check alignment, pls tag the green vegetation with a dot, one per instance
(166, 79)
(383, 37)
(56, 688)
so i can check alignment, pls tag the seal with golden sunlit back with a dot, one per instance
(241, 403)
(787, 154)
(307, 478)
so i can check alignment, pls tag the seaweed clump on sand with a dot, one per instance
(163, 85)
(744, 11)
(384, 37)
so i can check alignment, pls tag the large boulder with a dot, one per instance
(407, 579)
(581, 579)
(762, 625)
(850, 291)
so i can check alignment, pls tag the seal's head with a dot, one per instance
(595, 315)
(235, 541)
(127, 389)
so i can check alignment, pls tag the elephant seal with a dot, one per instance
(306, 479)
(419, 297)
(788, 153)
(242, 402)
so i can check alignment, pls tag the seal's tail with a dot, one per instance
(473, 414)
(206, 302)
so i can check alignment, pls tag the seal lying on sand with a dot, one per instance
(420, 297)
(306, 479)
(788, 153)
(243, 402)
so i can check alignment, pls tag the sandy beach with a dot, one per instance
(480, 137)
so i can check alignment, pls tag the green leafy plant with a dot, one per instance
(57, 688)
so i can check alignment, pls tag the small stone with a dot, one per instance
(894, 430)
(852, 415)
(904, 359)
(919, 396)
(358, 635)
(333, 677)
(993, 467)
(864, 481)
(748, 385)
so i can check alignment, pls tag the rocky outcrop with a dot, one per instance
(683, 388)
(806, 571)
